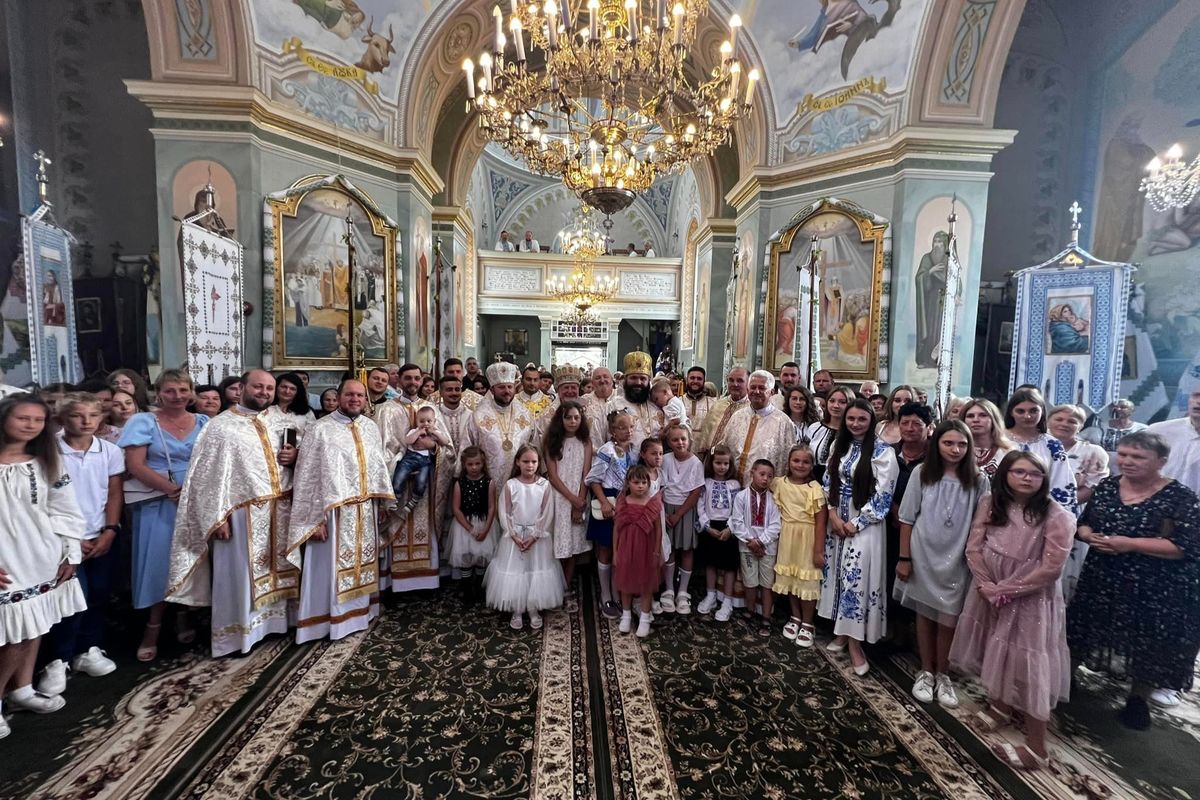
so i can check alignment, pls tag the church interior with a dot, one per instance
(951, 199)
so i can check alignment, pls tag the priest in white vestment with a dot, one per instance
(716, 422)
(411, 555)
(341, 489)
(500, 423)
(759, 430)
(230, 544)
(598, 404)
(697, 403)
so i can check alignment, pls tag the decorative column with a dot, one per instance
(544, 328)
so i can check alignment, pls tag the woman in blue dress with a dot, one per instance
(158, 448)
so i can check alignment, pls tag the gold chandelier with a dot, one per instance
(603, 98)
(581, 291)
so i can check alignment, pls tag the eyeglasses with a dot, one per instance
(1026, 474)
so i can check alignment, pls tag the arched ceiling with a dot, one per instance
(837, 76)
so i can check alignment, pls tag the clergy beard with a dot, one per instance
(350, 414)
(252, 404)
(697, 395)
(637, 394)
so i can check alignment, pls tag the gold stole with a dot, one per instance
(274, 578)
(359, 574)
(746, 445)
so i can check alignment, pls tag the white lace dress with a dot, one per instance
(570, 538)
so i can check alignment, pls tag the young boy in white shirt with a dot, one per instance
(96, 468)
(756, 523)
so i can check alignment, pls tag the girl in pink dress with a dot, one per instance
(1012, 631)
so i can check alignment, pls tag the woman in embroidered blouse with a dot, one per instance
(158, 447)
(820, 435)
(987, 432)
(1025, 418)
(40, 531)
(859, 492)
(799, 406)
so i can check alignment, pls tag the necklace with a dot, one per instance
(504, 421)
(179, 426)
(1129, 498)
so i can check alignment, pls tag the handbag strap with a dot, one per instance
(166, 450)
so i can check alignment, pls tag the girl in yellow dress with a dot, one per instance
(801, 504)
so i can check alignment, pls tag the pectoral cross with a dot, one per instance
(42, 180)
(1075, 210)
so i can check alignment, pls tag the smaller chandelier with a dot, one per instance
(581, 290)
(1171, 183)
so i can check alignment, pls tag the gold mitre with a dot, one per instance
(502, 372)
(567, 374)
(638, 363)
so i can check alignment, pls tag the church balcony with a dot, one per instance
(515, 283)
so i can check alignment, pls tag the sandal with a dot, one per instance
(764, 627)
(147, 653)
(792, 628)
(184, 632)
(1019, 757)
(991, 719)
(804, 638)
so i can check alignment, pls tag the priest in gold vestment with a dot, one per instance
(716, 421)
(412, 553)
(648, 419)
(342, 488)
(500, 423)
(759, 430)
(230, 544)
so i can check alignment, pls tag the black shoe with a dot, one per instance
(1135, 714)
(611, 610)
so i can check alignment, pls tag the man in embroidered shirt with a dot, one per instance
(756, 523)
(230, 544)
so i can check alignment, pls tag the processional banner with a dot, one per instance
(50, 301)
(212, 291)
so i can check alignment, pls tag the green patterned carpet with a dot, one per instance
(442, 700)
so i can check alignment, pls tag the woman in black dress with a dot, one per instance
(1136, 612)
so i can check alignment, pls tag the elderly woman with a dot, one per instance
(1136, 612)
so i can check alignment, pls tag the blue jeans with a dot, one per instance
(80, 632)
(416, 466)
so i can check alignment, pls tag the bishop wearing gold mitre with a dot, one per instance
(341, 489)
(648, 419)
(230, 545)
(500, 424)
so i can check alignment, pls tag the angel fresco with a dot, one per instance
(844, 18)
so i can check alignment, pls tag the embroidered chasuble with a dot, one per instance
(413, 539)
(697, 411)
(751, 436)
(499, 432)
(536, 403)
(596, 411)
(234, 468)
(648, 419)
(717, 420)
(341, 472)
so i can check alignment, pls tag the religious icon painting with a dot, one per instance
(334, 257)
(87, 315)
(54, 352)
(839, 328)
(1068, 322)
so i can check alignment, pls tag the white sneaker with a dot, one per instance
(709, 603)
(724, 612)
(667, 601)
(4, 729)
(923, 687)
(95, 663)
(626, 622)
(946, 696)
(683, 604)
(54, 679)
(38, 703)
(643, 626)
(1165, 698)
(656, 608)
(535, 620)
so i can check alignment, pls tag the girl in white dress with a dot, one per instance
(472, 531)
(859, 484)
(524, 575)
(568, 452)
(40, 532)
